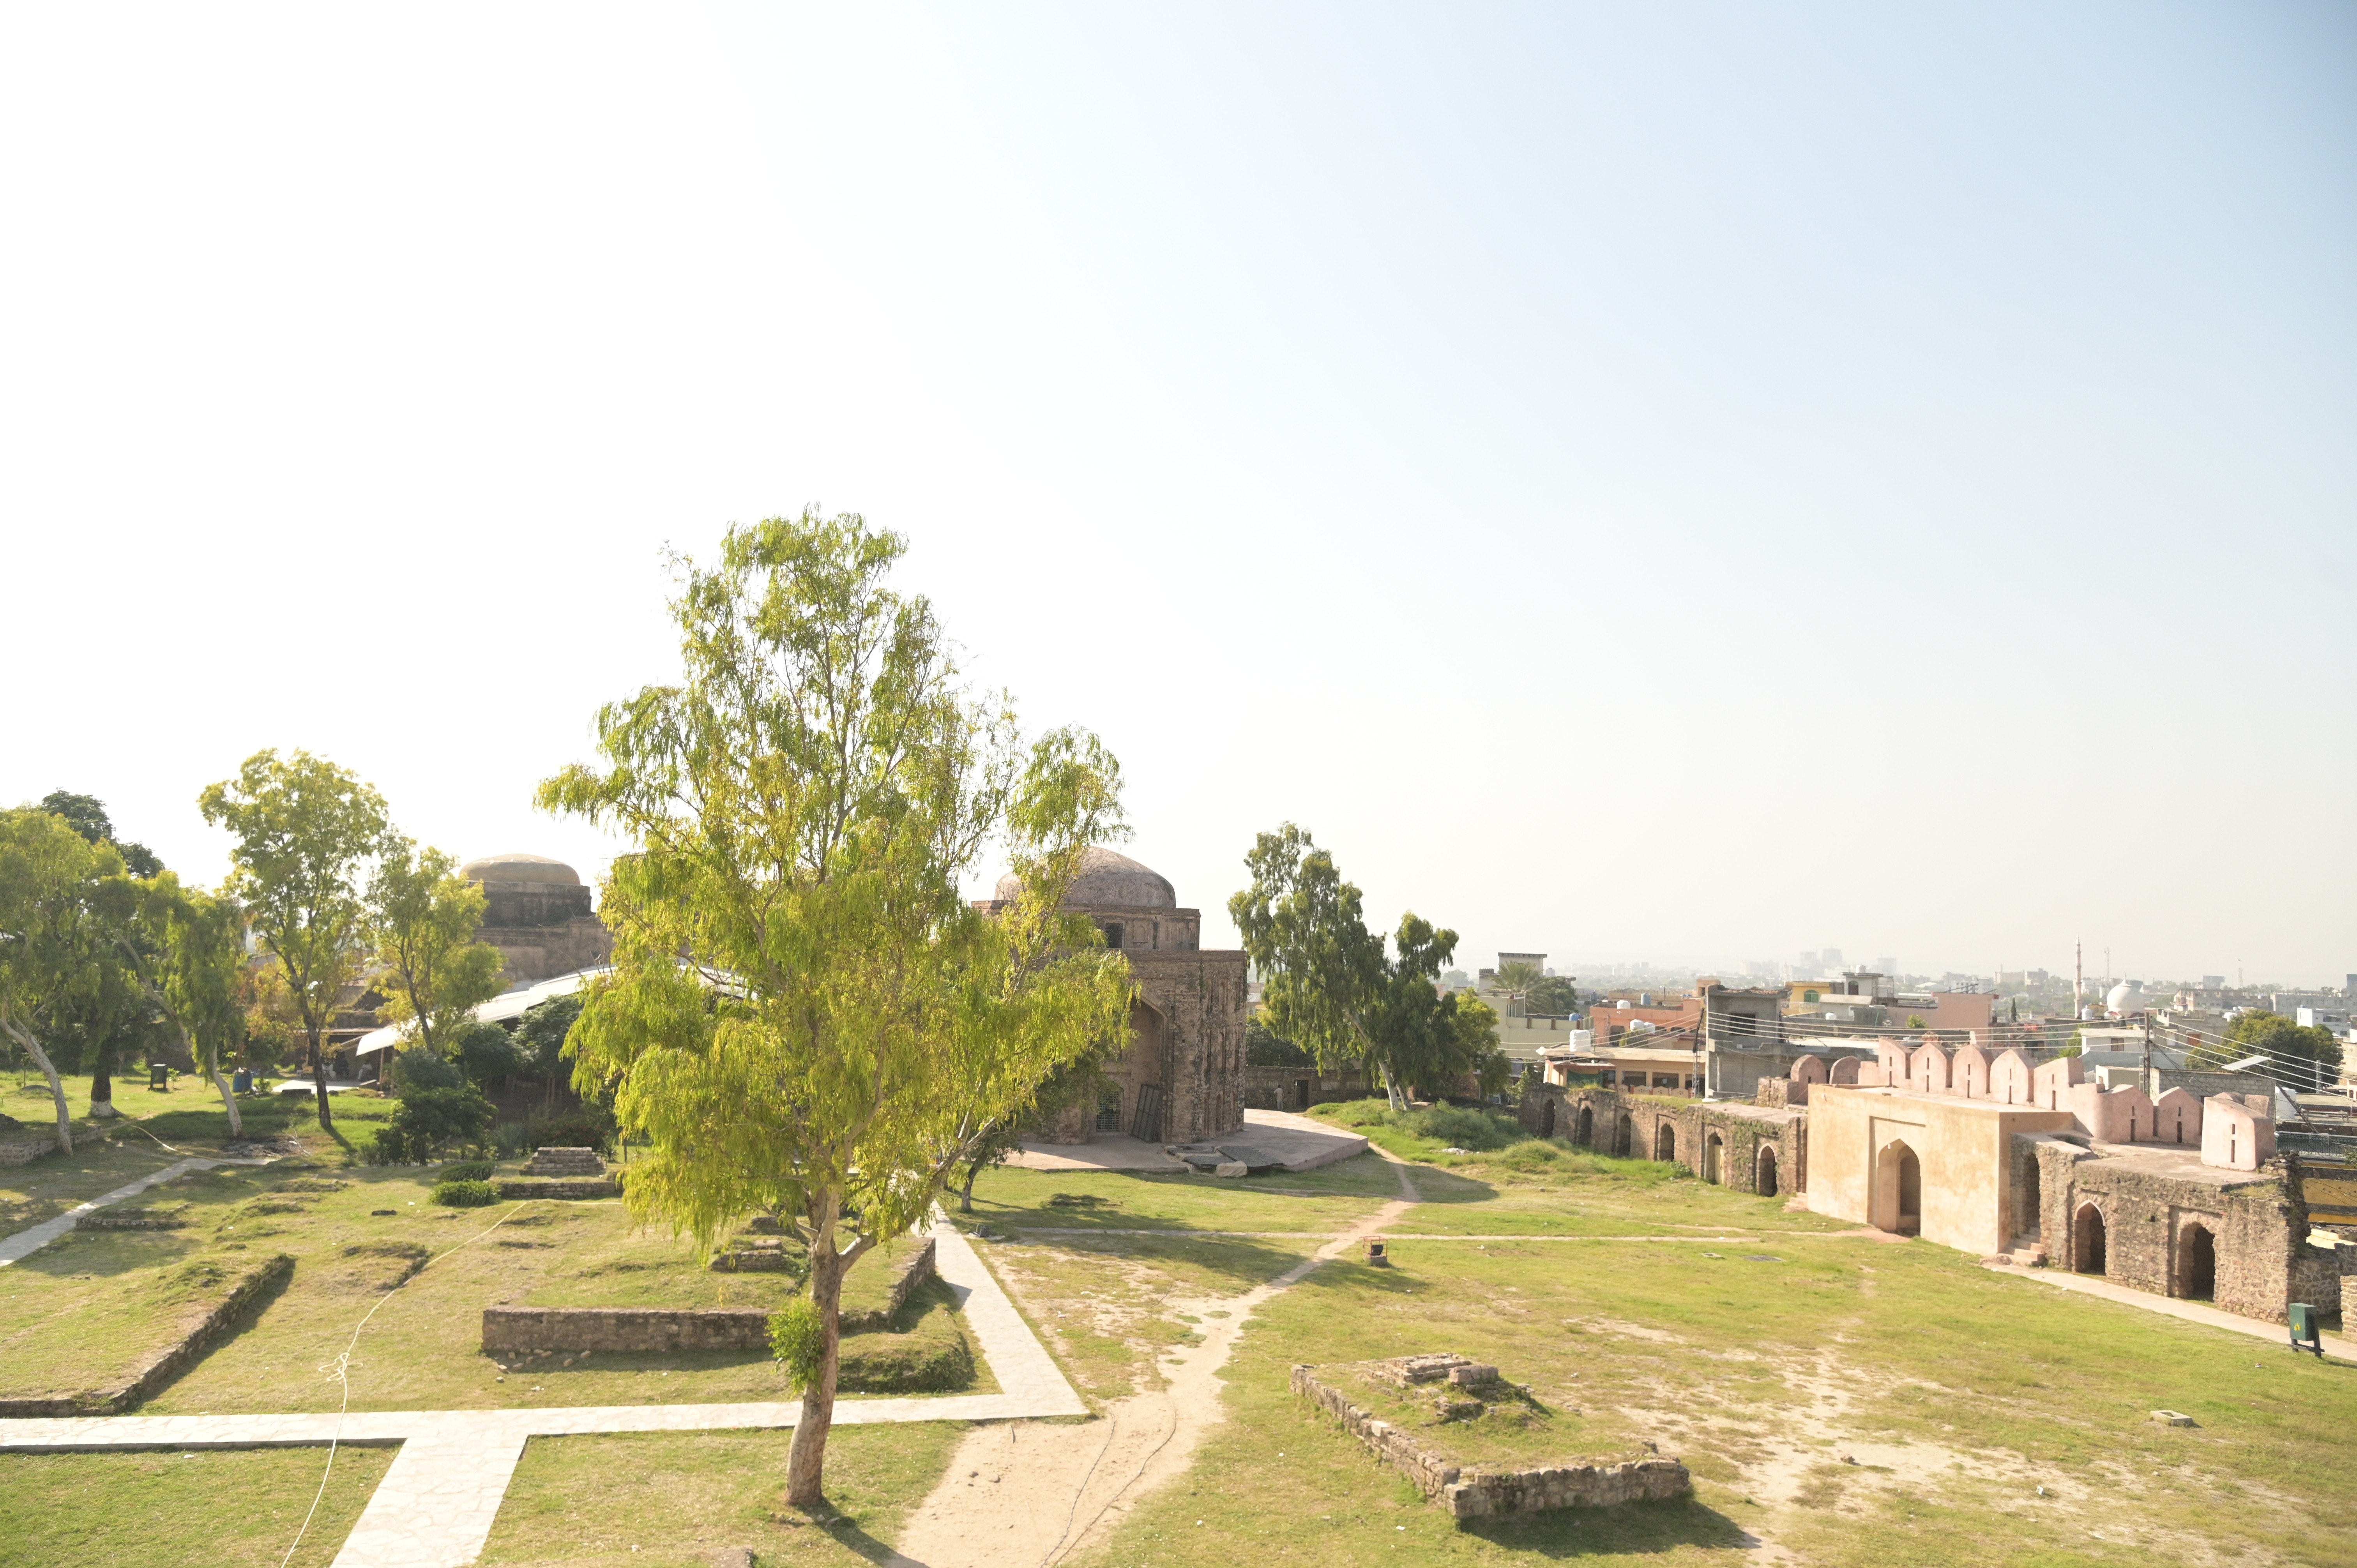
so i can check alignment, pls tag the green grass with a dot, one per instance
(1960, 1391)
(1019, 1200)
(679, 1497)
(237, 1508)
(78, 1313)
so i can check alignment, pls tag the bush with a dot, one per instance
(798, 1338)
(511, 1140)
(1460, 1126)
(418, 1068)
(1529, 1155)
(574, 1127)
(485, 1054)
(465, 1194)
(469, 1170)
(431, 1120)
(386, 1146)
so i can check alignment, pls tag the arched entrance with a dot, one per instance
(1586, 1126)
(1711, 1150)
(1764, 1173)
(2197, 1262)
(1546, 1116)
(2029, 1222)
(1624, 1136)
(1666, 1142)
(2087, 1240)
(1898, 1190)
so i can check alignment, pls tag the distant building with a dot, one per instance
(537, 913)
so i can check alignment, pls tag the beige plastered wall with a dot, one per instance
(1960, 1144)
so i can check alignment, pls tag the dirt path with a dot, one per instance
(1029, 1494)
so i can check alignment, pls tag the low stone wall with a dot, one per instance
(513, 1189)
(29, 1143)
(655, 1329)
(149, 1377)
(1472, 1493)
(660, 1329)
(1649, 1127)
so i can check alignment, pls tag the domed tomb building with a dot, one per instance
(536, 912)
(1182, 1076)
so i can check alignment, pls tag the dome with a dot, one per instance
(1107, 880)
(520, 868)
(2128, 997)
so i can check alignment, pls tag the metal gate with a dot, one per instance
(1146, 1125)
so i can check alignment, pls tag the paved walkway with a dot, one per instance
(2192, 1311)
(435, 1505)
(33, 1238)
(1279, 1137)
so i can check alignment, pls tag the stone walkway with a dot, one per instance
(2192, 1311)
(33, 1238)
(437, 1503)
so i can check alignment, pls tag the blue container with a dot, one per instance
(242, 1081)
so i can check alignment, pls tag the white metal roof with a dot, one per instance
(507, 1005)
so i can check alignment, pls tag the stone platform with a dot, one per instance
(1277, 1138)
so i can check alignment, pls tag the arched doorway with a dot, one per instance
(2197, 1262)
(1586, 1127)
(1624, 1136)
(1711, 1150)
(1764, 1173)
(1898, 1190)
(2029, 1221)
(1546, 1116)
(1666, 1142)
(2087, 1240)
(1109, 1108)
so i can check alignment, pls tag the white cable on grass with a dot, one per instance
(343, 1367)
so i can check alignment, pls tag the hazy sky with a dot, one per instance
(1652, 482)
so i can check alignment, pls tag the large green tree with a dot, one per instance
(805, 1015)
(304, 830)
(424, 916)
(1328, 985)
(2303, 1058)
(59, 961)
(87, 815)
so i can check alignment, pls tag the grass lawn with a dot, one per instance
(1855, 1402)
(81, 1309)
(679, 1497)
(236, 1509)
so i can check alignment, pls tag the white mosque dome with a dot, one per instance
(2128, 997)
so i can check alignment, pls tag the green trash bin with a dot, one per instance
(2306, 1330)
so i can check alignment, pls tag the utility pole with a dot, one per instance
(2078, 978)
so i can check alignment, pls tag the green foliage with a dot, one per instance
(464, 1194)
(422, 917)
(589, 1126)
(1915, 1020)
(1451, 1126)
(465, 1170)
(804, 808)
(86, 814)
(798, 1339)
(59, 966)
(385, 1147)
(430, 1120)
(2297, 1054)
(302, 828)
(418, 1068)
(540, 1034)
(485, 1054)
(1264, 1047)
(1517, 978)
(1553, 997)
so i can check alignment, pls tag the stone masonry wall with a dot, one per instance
(1631, 1126)
(2253, 1224)
(1471, 1493)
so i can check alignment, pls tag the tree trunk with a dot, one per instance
(319, 1083)
(965, 1196)
(229, 1099)
(101, 1085)
(806, 1461)
(56, 1086)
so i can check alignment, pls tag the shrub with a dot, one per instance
(511, 1140)
(1460, 1126)
(485, 1054)
(431, 1120)
(386, 1146)
(465, 1194)
(469, 1170)
(540, 1034)
(797, 1339)
(418, 1068)
(574, 1127)
(1529, 1155)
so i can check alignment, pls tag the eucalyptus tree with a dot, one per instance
(57, 956)
(187, 949)
(1327, 982)
(805, 1016)
(304, 830)
(424, 916)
